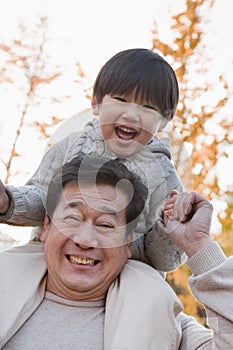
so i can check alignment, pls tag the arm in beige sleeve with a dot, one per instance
(212, 285)
(211, 282)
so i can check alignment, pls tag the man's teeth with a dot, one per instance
(76, 260)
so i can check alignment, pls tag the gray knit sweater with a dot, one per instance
(152, 163)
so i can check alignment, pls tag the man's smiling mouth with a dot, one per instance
(126, 133)
(74, 259)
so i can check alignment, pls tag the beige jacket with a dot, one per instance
(142, 311)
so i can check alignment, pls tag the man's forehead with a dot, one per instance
(104, 198)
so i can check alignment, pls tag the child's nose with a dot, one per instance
(132, 113)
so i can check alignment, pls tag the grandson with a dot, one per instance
(135, 95)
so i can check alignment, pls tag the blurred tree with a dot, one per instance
(202, 127)
(27, 70)
(28, 74)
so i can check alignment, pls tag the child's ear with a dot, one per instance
(162, 125)
(44, 233)
(95, 106)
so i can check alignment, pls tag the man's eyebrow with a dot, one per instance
(102, 208)
(108, 209)
(74, 204)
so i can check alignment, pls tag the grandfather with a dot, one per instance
(78, 290)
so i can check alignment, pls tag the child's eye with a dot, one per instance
(121, 99)
(150, 107)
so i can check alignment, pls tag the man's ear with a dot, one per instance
(46, 224)
(129, 244)
(95, 106)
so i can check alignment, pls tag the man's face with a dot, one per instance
(81, 265)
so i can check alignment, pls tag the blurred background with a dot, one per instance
(50, 54)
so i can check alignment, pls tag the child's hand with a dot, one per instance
(189, 218)
(168, 209)
(178, 206)
(4, 199)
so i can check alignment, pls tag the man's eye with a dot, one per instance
(72, 219)
(105, 225)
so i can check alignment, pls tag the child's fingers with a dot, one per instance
(171, 213)
(183, 205)
(179, 206)
(168, 208)
(173, 193)
(170, 201)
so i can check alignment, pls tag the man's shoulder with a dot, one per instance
(148, 280)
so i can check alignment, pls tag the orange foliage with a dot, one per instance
(185, 54)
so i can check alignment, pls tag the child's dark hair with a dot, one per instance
(90, 169)
(142, 72)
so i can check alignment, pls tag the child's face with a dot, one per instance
(127, 126)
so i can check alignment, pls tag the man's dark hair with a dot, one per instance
(88, 169)
(142, 72)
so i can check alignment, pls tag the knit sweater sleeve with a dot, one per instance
(159, 174)
(27, 203)
(161, 252)
(212, 285)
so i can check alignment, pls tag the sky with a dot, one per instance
(92, 31)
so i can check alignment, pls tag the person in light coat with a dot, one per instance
(80, 290)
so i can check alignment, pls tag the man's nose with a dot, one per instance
(86, 236)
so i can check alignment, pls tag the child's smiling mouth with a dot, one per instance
(125, 132)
